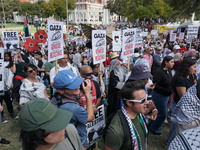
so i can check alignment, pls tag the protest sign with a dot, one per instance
(96, 127)
(99, 46)
(154, 32)
(1, 71)
(172, 37)
(181, 36)
(116, 36)
(144, 34)
(192, 32)
(128, 42)
(11, 40)
(55, 40)
(138, 38)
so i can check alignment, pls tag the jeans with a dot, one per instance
(160, 102)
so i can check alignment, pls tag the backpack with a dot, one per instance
(126, 131)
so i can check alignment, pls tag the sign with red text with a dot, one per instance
(172, 37)
(181, 36)
(55, 40)
(128, 42)
(10, 40)
(116, 36)
(98, 46)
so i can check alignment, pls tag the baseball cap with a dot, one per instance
(176, 47)
(42, 114)
(139, 72)
(67, 79)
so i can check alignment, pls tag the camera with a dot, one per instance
(81, 86)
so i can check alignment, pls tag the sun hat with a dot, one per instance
(114, 55)
(139, 72)
(42, 114)
(67, 79)
(176, 47)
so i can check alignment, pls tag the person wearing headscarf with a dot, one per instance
(116, 81)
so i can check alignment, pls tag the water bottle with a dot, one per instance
(104, 101)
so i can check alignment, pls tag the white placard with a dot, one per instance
(95, 128)
(192, 32)
(1, 71)
(117, 44)
(99, 46)
(154, 32)
(11, 40)
(55, 40)
(64, 29)
(138, 38)
(172, 37)
(181, 36)
(128, 42)
(144, 34)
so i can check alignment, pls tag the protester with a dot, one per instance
(67, 84)
(148, 56)
(161, 93)
(135, 103)
(32, 87)
(43, 126)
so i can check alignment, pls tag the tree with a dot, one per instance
(10, 6)
(134, 9)
(184, 8)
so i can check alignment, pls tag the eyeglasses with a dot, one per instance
(89, 74)
(84, 56)
(31, 71)
(150, 50)
(159, 49)
(141, 101)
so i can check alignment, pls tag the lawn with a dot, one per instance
(11, 130)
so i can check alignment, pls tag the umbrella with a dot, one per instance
(87, 30)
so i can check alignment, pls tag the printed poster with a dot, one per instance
(116, 36)
(1, 71)
(11, 40)
(96, 127)
(172, 37)
(138, 38)
(128, 42)
(99, 46)
(192, 32)
(181, 36)
(55, 40)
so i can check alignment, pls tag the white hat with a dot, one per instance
(176, 47)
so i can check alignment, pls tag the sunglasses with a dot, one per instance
(141, 101)
(89, 74)
(159, 49)
(150, 50)
(84, 57)
(31, 71)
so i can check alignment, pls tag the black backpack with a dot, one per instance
(126, 130)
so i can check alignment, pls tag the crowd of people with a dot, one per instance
(56, 100)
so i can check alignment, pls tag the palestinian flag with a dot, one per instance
(26, 28)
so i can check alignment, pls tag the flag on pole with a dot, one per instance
(26, 28)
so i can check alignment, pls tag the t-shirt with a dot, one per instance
(66, 144)
(115, 136)
(182, 82)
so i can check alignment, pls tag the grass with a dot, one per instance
(10, 131)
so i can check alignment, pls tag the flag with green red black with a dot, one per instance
(26, 28)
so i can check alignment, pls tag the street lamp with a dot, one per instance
(36, 19)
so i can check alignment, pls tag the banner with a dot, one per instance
(144, 34)
(55, 40)
(192, 32)
(11, 40)
(138, 38)
(1, 71)
(96, 127)
(117, 44)
(128, 42)
(172, 37)
(99, 46)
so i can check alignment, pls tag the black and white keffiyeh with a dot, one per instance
(188, 107)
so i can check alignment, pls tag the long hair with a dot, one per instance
(183, 69)
(32, 139)
(10, 60)
(165, 59)
(29, 65)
